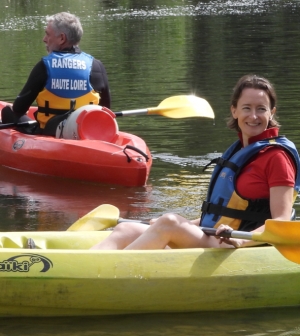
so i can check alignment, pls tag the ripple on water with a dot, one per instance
(214, 7)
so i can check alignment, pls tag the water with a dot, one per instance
(153, 50)
(273, 322)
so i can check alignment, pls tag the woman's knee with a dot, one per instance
(130, 228)
(168, 222)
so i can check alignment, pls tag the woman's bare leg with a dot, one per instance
(124, 234)
(176, 232)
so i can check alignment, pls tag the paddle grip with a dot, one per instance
(132, 221)
(212, 232)
(131, 112)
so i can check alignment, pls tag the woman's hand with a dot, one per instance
(230, 241)
(235, 241)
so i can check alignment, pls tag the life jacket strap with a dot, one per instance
(48, 111)
(222, 163)
(220, 210)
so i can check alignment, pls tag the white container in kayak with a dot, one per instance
(92, 122)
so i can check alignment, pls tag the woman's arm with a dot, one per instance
(281, 202)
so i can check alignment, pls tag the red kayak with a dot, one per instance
(92, 149)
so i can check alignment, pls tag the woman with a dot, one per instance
(257, 178)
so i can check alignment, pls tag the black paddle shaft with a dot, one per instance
(20, 124)
(212, 232)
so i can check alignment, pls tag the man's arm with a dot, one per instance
(99, 82)
(35, 83)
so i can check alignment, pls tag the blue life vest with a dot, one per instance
(68, 74)
(68, 79)
(223, 204)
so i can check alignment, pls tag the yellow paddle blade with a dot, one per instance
(280, 232)
(291, 253)
(183, 107)
(284, 235)
(102, 217)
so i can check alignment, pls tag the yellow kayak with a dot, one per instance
(62, 277)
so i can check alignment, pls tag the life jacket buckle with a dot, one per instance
(205, 207)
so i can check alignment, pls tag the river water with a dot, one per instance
(153, 50)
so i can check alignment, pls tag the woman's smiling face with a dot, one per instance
(253, 112)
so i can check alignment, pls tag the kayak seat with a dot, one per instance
(90, 122)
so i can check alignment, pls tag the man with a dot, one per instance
(65, 79)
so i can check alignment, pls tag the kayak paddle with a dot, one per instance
(102, 217)
(176, 107)
(20, 124)
(283, 235)
(172, 107)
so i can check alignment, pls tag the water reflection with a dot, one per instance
(275, 322)
(35, 202)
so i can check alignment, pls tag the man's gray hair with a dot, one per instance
(68, 24)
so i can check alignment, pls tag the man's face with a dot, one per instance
(52, 40)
